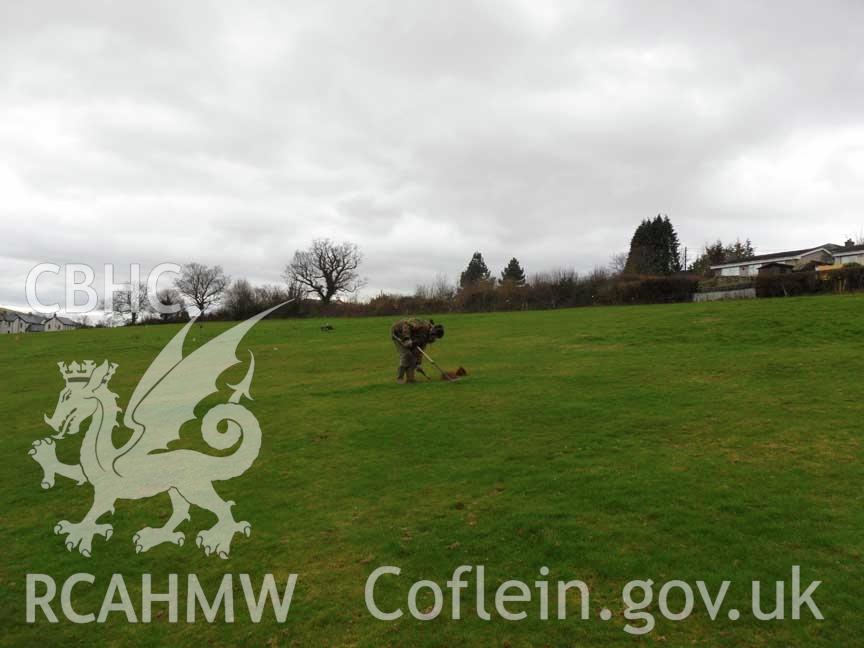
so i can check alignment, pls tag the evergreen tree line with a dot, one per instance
(478, 271)
(655, 251)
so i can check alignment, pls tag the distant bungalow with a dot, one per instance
(830, 255)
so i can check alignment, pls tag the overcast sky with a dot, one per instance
(233, 133)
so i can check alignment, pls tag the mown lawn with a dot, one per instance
(696, 442)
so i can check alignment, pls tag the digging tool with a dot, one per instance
(435, 364)
(431, 361)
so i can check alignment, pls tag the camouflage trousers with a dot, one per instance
(408, 358)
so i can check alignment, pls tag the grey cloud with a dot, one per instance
(234, 133)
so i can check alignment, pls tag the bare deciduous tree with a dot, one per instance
(132, 301)
(326, 269)
(294, 292)
(617, 263)
(440, 289)
(170, 297)
(202, 285)
(240, 301)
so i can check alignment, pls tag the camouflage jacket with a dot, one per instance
(416, 330)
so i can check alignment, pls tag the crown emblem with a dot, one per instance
(75, 372)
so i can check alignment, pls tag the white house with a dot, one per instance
(849, 254)
(750, 267)
(57, 323)
(13, 322)
(35, 323)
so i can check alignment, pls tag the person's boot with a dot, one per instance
(409, 376)
(400, 376)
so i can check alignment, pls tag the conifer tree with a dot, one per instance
(476, 271)
(514, 273)
(654, 248)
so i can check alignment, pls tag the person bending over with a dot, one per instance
(410, 336)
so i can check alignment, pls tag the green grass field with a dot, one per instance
(696, 442)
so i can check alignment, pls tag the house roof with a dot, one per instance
(32, 319)
(831, 248)
(854, 249)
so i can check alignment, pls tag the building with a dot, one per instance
(13, 322)
(35, 323)
(775, 268)
(849, 254)
(57, 323)
(828, 254)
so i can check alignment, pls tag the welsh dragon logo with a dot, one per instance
(144, 466)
